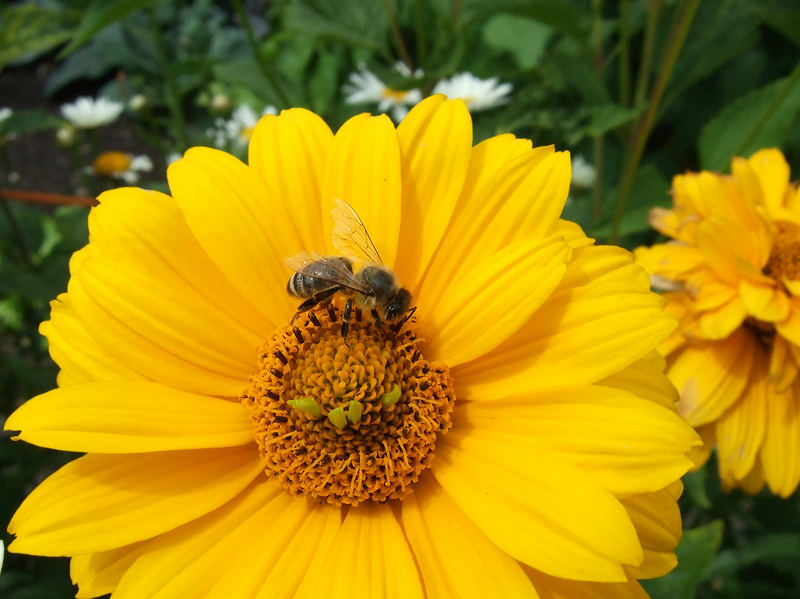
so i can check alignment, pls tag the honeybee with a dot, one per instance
(374, 286)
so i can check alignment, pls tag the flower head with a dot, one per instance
(732, 272)
(121, 165)
(238, 129)
(88, 113)
(583, 173)
(5, 112)
(513, 434)
(365, 87)
(478, 94)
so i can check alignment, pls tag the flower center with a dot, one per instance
(110, 163)
(784, 259)
(347, 419)
(398, 95)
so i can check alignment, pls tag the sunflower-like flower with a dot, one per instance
(516, 437)
(732, 276)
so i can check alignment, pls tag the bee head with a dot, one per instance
(398, 304)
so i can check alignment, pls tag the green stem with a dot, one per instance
(624, 55)
(599, 65)
(398, 36)
(677, 37)
(791, 81)
(171, 95)
(419, 26)
(643, 78)
(262, 62)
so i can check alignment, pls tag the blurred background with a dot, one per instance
(96, 94)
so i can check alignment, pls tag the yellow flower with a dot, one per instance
(733, 274)
(517, 437)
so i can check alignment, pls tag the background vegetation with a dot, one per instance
(643, 90)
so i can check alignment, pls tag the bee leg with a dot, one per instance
(315, 299)
(396, 328)
(348, 309)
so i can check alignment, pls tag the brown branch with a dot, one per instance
(41, 197)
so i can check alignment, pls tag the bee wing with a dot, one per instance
(350, 236)
(325, 268)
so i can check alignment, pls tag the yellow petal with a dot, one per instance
(129, 417)
(435, 146)
(179, 320)
(99, 573)
(502, 203)
(169, 555)
(790, 328)
(740, 429)
(145, 231)
(278, 569)
(658, 523)
(557, 588)
(645, 378)
(711, 376)
(456, 559)
(708, 291)
(581, 334)
(246, 233)
(536, 507)
(772, 171)
(493, 300)
(721, 322)
(700, 454)
(148, 356)
(99, 502)
(79, 356)
(628, 445)
(671, 260)
(783, 366)
(764, 302)
(780, 453)
(363, 169)
(726, 243)
(371, 558)
(289, 153)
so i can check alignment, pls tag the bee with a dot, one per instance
(374, 287)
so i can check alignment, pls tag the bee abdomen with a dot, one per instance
(301, 285)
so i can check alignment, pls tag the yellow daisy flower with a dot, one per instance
(732, 271)
(517, 437)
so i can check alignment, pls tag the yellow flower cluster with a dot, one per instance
(731, 275)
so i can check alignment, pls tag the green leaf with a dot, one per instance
(695, 485)
(28, 30)
(99, 15)
(607, 117)
(357, 23)
(695, 554)
(756, 120)
(780, 550)
(566, 18)
(28, 120)
(524, 39)
(781, 15)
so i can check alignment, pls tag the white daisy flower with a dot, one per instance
(365, 87)
(5, 112)
(239, 127)
(121, 165)
(478, 94)
(583, 173)
(173, 157)
(87, 113)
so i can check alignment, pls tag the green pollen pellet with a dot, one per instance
(354, 410)
(389, 399)
(337, 418)
(307, 405)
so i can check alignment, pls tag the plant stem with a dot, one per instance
(643, 78)
(599, 65)
(677, 36)
(624, 55)
(262, 62)
(171, 95)
(419, 26)
(398, 36)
